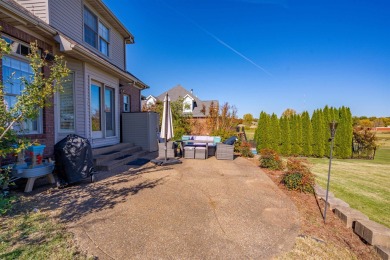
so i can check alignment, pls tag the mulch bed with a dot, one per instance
(312, 223)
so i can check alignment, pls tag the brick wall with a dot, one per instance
(47, 135)
(135, 98)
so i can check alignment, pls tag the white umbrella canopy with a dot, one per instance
(167, 125)
(166, 132)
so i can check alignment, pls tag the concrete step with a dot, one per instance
(119, 161)
(101, 158)
(111, 148)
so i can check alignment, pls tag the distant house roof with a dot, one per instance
(178, 92)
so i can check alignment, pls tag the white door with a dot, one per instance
(102, 111)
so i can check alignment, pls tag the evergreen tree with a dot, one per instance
(343, 138)
(307, 135)
(327, 119)
(285, 136)
(318, 133)
(349, 133)
(294, 128)
(299, 133)
(275, 133)
(263, 131)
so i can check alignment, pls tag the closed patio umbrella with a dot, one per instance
(167, 125)
(166, 132)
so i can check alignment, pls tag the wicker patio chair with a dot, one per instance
(224, 151)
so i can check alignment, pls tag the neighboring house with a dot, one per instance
(93, 42)
(149, 101)
(191, 103)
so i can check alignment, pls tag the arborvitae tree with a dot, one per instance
(263, 131)
(294, 135)
(275, 133)
(285, 136)
(256, 136)
(307, 135)
(349, 136)
(327, 112)
(299, 133)
(343, 138)
(318, 133)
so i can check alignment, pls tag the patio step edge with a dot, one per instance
(101, 158)
(107, 149)
(112, 164)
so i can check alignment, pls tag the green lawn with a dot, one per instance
(250, 133)
(36, 236)
(364, 184)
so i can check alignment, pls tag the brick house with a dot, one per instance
(197, 108)
(93, 42)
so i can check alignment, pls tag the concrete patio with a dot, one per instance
(198, 209)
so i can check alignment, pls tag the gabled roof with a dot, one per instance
(179, 92)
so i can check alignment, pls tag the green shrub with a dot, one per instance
(298, 175)
(270, 159)
(6, 201)
(245, 150)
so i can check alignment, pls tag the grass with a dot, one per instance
(364, 184)
(35, 236)
(308, 248)
(250, 133)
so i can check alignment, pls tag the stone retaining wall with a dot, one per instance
(373, 233)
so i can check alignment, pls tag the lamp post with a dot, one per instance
(332, 127)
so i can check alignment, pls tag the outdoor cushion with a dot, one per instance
(217, 139)
(185, 137)
(231, 140)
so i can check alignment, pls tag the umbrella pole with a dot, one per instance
(166, 127)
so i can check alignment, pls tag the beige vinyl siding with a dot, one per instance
(37, 7)
(97, 75)
(79, 98)
(67, 17)
(117, 52)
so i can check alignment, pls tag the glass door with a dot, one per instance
(96, 112)
(109, 111)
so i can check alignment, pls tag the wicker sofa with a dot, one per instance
(211, 141)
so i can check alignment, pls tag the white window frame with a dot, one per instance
(16, 55)
(188, 101)
(128, 104)
(98, 36)
(61, 130)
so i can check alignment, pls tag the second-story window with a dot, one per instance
(103, 39)
(96, 33)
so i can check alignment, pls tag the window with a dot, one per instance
(96, 33)
(66, 105)
(90, 28)
(126, 103)
(13, 71)
(187, 105)
(103, 39)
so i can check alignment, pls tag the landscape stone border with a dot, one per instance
(373, 233)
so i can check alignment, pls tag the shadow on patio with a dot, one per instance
(73, 202)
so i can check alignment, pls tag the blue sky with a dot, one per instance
(264, 54)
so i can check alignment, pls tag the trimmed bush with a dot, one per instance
(270, 159)
(298, 175)
(245, 150)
